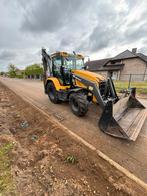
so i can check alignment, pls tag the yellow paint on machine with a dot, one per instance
(90, 76)
(57, 84)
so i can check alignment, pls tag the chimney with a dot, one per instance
(134, 50)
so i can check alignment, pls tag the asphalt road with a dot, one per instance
(131, 155)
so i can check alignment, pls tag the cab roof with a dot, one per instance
(66, 54)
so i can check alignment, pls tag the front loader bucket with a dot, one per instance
(123, 119)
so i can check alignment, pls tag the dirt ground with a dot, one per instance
(37, 157)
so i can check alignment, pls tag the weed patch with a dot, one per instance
(6, 180)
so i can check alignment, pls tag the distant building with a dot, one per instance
(20, 73)
(121, 66)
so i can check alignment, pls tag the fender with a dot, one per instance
(56, 83)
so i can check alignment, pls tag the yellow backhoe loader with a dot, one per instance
(66, 79)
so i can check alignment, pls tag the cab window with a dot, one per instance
(57, 68)
(57, 61)
(79, 64)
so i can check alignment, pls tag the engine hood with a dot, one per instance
(89, 75)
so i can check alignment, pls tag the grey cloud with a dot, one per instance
(50, 15)
(65, 42)
(109, 29)
(7, 55)
(137, 33)
(105, 32)
(131, 3)
(100, 38)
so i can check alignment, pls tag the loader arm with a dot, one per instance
(95, 88)
(121, 118)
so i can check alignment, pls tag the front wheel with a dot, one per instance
(78, 103)
(52, 93)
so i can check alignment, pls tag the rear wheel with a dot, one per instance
(78, 103)
(52, 93)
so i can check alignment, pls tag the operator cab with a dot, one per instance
(62, 65)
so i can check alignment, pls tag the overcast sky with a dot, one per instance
(98, 28)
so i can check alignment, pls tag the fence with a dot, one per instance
(34, 76)
(133, 77)
(127, 81)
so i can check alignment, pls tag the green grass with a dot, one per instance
(141, 87)
(71, 159)
(6, 180)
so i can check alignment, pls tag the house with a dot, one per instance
(121, 67)
(20, 73)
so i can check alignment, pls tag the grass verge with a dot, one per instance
(141, 87)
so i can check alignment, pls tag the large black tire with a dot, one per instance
(52, 93)
(78, 103)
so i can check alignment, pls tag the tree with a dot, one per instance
(12, 71)
(34, 69)
(2, 73)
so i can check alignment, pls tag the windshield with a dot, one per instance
(79, 64)
(73, 63)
